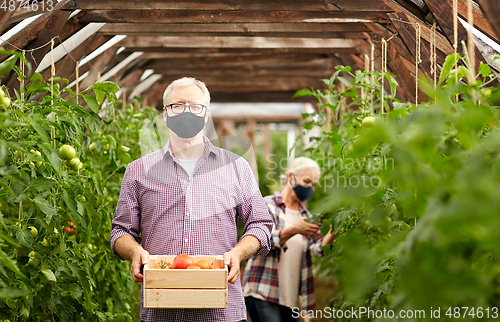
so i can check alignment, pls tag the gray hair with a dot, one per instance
(298, 165)
(183, 82)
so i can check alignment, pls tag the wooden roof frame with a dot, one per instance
(245, 50)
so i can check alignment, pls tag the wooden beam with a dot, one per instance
(480, 21)
(239, 42)
(247, 5)
(259, 96)
(205, 16)
(168, 52)
(443, 13)
(66, 67)
(408, 34)
(130, 28)
(491, 10)
(403, 76)
(286, 118)
(7, 14)
(97, 67)
(245, 62)
(28, 12)
(55, 23)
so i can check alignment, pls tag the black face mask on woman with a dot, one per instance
(303, 193)
(186, 125)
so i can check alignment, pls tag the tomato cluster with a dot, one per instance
(184, 261)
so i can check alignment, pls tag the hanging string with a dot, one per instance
(417, 60)
(53, 74)
(470, 44)
(433, 58)
(384, 70)
(372, 69)
(21, 65)
(455, 37)
(77, 67)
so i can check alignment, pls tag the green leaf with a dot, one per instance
(92, 102)
(303, 92)
(24, 237)
(7, 65)
(44, 206)
(484, 70)
(11, 292)
(34, 121)
(36, 77)
(49, 274)
(448, 65)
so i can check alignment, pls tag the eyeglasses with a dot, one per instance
(177, 108)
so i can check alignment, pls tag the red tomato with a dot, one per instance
(182, 261)
(216, 266)
(71, 229)
(193, 266)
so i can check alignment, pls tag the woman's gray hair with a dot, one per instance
(298, 165)
(183, 82)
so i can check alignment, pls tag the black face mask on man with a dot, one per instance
(186, 125)
(303, 193)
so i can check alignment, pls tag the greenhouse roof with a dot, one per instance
(244, 50)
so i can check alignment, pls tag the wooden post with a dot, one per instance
(266, 142)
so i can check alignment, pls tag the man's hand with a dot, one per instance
(140, 258)
(233, 260)
(305, 228)
(130, 250)
(246, 247)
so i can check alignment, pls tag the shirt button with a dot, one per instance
(186, 240)
(187, 213)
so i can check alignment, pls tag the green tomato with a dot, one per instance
(368, 121)
(32, 254)
(67, 152)
(34, 231)
(45, 242)
(2, 93)
(73, 162)
(35, 152)
(79, 166)
(388, 219)
(18, 154)
(93, 147)
(5, 101)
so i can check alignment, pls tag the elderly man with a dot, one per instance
(186, 198)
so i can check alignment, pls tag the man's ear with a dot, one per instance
(206, 116)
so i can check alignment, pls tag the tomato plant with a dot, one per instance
(413, 195)
(47, 274)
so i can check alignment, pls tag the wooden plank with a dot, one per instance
(27, 12)
(408, 35)
(55, 23)
(205, 16)
(185, 299)
(248, 5)
(480, 21)
(285, 118)
(239, 42)
(404, 78)
(491, 10)
(258, 96)
(246, 62)
(443, 13)
(97, 67)
(122, 28)
(7, 14)
(328, 35)
(236, 72)
(158, 52)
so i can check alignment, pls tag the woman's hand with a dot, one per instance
(305, 228)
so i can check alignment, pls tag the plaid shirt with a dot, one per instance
(170, 213)
(261, 272)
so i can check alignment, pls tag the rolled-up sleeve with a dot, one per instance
(127, 215)
(252, 208)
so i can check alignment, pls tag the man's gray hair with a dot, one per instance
(183, 82)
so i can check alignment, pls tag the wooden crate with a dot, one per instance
(185, 288)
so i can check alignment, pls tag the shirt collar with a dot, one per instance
(210, 148)
(281, 204)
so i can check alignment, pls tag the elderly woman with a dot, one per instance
(272, 284)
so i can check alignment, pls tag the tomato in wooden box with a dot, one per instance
(185, 288)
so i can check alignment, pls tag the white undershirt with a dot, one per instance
(188, 165)
(290, 264)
